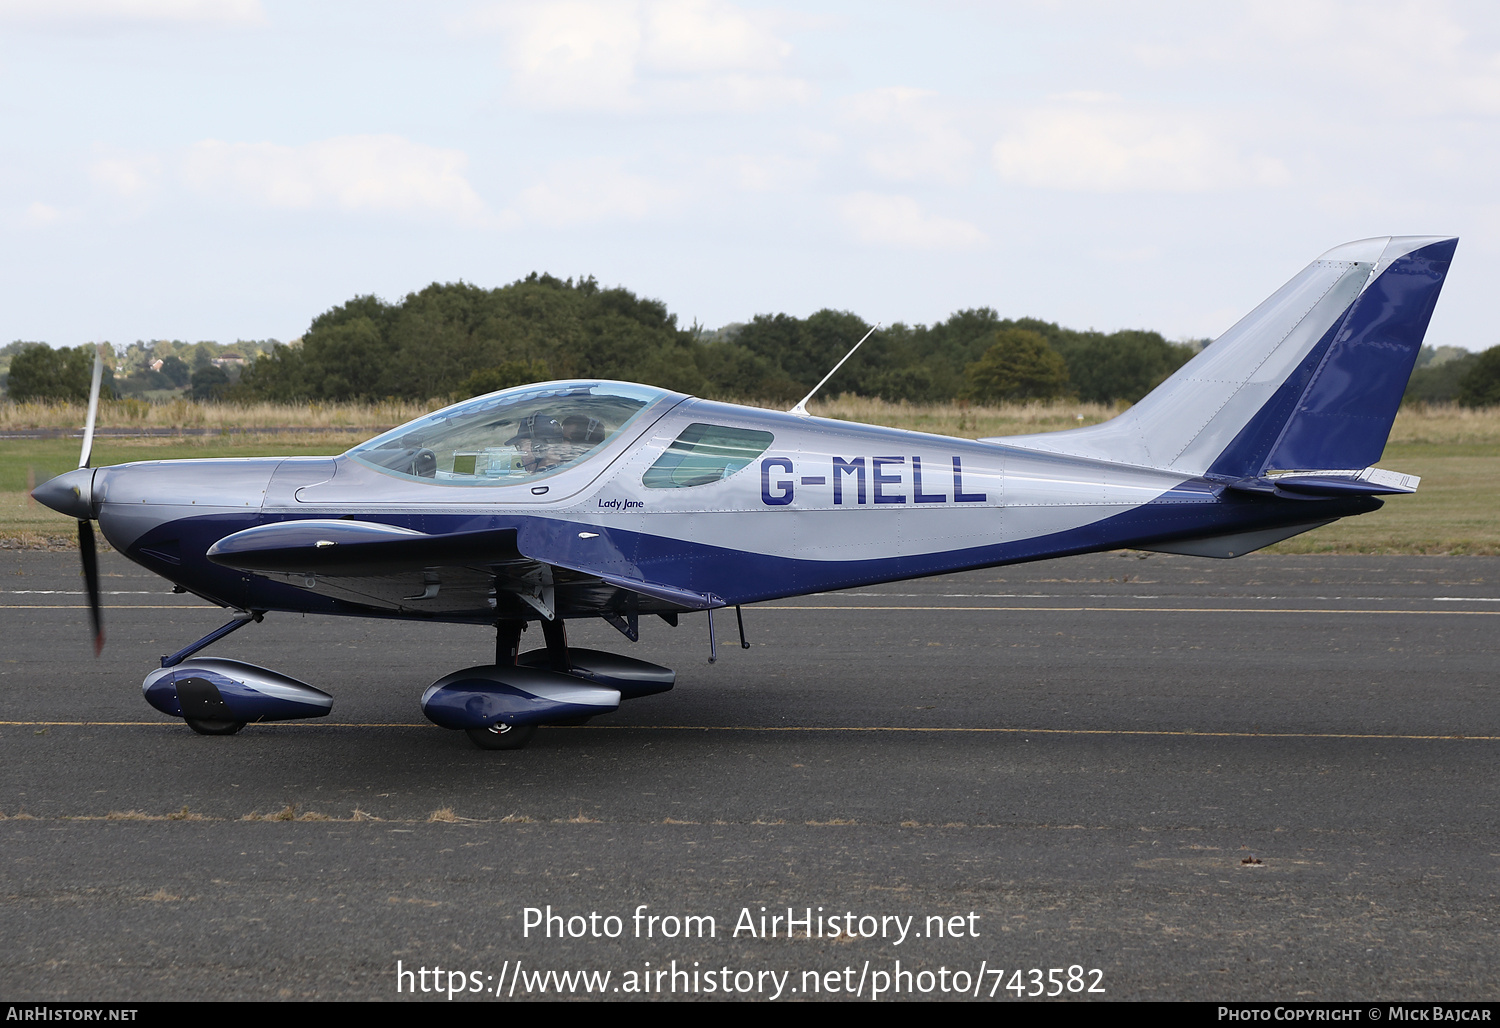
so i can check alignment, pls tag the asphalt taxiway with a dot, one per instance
(1269, 778)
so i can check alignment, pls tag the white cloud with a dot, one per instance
(900, 221)
(706, 37)
(1110, 149)
(1126, 254)
(41, 215)
(632, 54)
(916, 139)
(127, 176)
(579, 54)
(89, 15)
(364, 174)
(1415, 55)
(1419, 58)
(591, 192)
(351, 173)
(741, 93)
(765, 172)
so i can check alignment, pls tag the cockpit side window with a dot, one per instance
(703, 454)
(510, 437)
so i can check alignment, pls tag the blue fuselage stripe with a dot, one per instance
(738, 576)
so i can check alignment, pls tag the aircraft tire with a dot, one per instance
(501, 737)
(214, 727)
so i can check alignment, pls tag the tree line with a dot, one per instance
(457, 340)
(155, 370)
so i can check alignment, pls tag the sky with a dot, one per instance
(229, 169)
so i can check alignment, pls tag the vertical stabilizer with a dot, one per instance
(1310, 379)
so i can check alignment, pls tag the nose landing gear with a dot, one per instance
(219, 697)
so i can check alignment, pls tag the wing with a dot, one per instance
(478, 575)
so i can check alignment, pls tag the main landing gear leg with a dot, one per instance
(556, 634)
(508, 642)
(502, 736)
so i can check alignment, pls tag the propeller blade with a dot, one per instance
(91, 580)
(88, 428)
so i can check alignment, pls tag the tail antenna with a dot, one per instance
(801, 408)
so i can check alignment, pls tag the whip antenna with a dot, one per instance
(801, 408)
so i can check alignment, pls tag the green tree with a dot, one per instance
(447, 339)
(1438, 381)
(1480, 385)
(504, 376)
(210, 382)
(1123, 365)
(778, 357)
(913, 383)
(176, 371)
(431, 343)
(1019, 365)
(39, 372)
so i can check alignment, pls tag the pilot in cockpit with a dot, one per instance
(539, 438)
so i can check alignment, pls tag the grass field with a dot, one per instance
(1456, 451)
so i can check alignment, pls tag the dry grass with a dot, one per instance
(1446, 425)
(964, 420)
(1456, 450)
(1453, 512)
(943, 418)
(136, 815)
(364, 417)
(289, 813)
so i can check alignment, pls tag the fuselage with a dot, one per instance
(823, 505)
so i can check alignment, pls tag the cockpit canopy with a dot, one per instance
(510, 437)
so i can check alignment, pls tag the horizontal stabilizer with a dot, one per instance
(1322, 484)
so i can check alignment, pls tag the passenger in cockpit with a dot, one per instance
(579, 428)
(540, 440)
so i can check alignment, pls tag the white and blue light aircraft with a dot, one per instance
(591, 499)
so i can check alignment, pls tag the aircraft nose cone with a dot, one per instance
(70, 494)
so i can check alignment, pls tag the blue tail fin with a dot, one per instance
(1336, 410)
(1309, 380)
